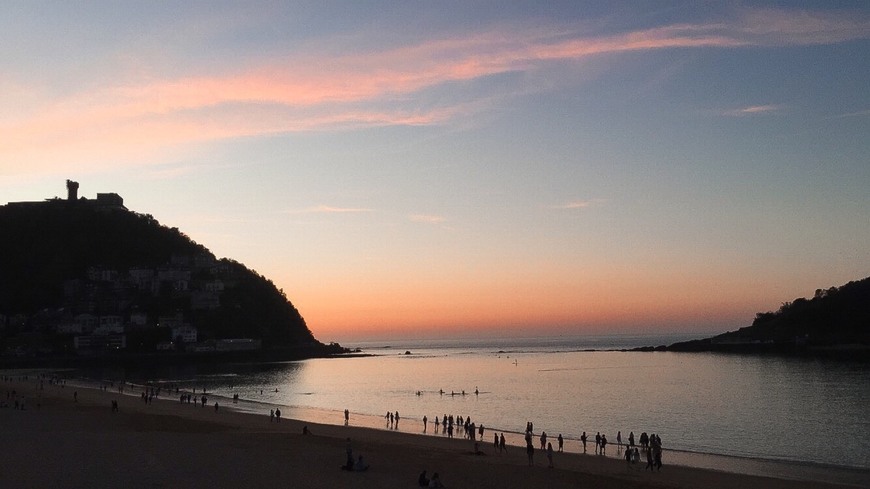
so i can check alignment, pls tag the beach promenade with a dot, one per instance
(62, 440)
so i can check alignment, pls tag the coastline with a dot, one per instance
(227, 447)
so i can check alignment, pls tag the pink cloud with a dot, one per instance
(323, 92)
(801, 27)
(327, 209)
(426, 218)
(752, 110)
(576, 204)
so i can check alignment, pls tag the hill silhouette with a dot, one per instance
(834, 319)
(93, 269)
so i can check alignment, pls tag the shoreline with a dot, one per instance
(680, 469)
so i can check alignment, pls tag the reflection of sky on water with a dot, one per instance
(740, 405)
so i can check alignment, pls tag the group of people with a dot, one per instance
(470, 430)
(275, 415)
(425, 481)
(350, 464)
(392, 420)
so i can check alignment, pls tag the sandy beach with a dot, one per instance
(62, 440)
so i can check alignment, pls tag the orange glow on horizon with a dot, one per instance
(475, 309)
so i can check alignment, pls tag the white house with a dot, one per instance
(110, 325)
(138, 319)
(87, 322)
(187, 333)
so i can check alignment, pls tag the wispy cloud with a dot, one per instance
(752, 110)
(860, 113)
(783, 27)
(578, 204)
(427, 218)
(322, 91)
(328, 209)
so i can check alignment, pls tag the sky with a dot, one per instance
(432, 169)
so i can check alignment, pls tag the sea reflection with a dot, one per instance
(752, 406)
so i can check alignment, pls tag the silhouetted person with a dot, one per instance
(349, 451)
(550, 455)
(530, 453)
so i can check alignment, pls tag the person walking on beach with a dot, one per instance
(618, 441)
(437, 424)
(543, 440)
(649, 461)
(631, 439)
(277, 415)
(603, 444)
(425, 421)
(397, 420)
(501, 444)
(597, 442)
(656, 447)
(583, 440)
(561, 441)
(346, 416)
(271, 415)
(348, 450)
(550, 455)
(530, 453)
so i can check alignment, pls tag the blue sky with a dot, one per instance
(466, 168)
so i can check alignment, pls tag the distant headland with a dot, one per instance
(833, 321)
(89, 280)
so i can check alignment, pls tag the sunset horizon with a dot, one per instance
(452, 170)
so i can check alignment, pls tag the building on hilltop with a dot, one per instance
(104, 201)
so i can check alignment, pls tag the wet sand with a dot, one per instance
(67, 443)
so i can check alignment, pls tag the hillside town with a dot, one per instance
(141, 308)
(101, 310)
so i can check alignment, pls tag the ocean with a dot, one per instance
(744, 407)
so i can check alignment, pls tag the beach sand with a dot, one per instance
(61, 442)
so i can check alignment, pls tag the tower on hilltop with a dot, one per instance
(72, 190)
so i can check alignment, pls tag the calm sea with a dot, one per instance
(758, 407)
